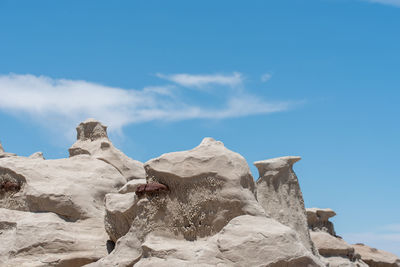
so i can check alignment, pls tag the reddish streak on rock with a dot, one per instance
(10, 186)
(151, 188)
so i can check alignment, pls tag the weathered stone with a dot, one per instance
(278, 192)
(318, 220)
(375, 257)
(92, 139)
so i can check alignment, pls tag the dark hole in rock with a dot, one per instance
(110, 246)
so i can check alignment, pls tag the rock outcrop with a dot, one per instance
(92, 139)
(278, 192)
(318, 220)
(334, 250)
(375, 257)
(198, 208)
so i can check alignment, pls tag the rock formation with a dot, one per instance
(92, 139)
(52, 211)
(199, 207)
(334, 249)
(375, 257)
(278, 192)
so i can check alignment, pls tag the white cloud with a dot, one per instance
(266, 77)
(385, 238)
(64, 103)
(201, 81)
(395, 3)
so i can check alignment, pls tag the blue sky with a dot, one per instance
(319, 79)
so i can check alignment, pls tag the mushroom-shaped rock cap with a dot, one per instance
(275, 164)
(91, 129)
(321, 214)
(210, 156)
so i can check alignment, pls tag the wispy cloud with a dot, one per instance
(201, 81)
(266, 77)
(385, 238)
(395, 3)
(65, 103)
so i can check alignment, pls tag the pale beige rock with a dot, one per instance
(92, 139)
(209, 185)
(44, 239)
(375, 257)
(278, 192)
(245, 241)
(329, 245)
(73, 188)
(318, 220)
(337, 261)
(209, 216)
(37, 155)
(120, 212)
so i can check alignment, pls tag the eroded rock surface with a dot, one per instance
(92, 139)
(188, 208)
(278, 192)
(318, 220)
(198, 208)
(45, 239)
(335, 251)
(375, 257)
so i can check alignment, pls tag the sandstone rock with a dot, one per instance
(335, 251)
(73, 188)
(37, 155)
(120, 212)
(375, 257)
(198, 208)
(329, 245)
(208, 186)
(245, 241)
(336, 261)
(45, 239)
(318, 220)
(92, 139)
(278, 192)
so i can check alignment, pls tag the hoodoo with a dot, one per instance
(199, 207)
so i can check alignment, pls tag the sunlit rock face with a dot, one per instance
(199, 207)
(92, 140)
(333, 249)
(278, 192)
(376, 257)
